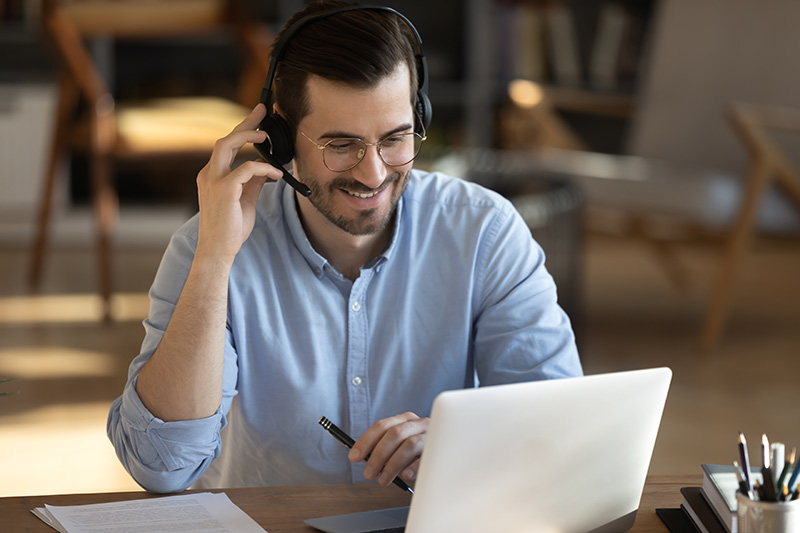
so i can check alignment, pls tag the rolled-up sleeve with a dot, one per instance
(162, 456)
(166, 457)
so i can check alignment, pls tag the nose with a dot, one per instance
(371, 170)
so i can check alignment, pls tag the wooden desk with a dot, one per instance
(283, 509)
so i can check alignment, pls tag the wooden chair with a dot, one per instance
(109, 132)
(647, 195)
(767, 164)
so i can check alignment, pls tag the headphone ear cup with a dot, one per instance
(280, 138)
(424, 112)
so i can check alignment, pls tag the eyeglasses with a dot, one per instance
(396, 150)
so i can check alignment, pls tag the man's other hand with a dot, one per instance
(394, 446)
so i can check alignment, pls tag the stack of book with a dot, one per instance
(712, 507)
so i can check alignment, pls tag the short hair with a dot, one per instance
(358, 48)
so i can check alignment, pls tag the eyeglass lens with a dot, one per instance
(396, 150)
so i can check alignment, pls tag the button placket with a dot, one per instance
(356, 366)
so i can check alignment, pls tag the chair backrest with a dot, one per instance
(69, 24)
(137, 18)
(751, 122)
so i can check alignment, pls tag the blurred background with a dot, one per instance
(649, 144)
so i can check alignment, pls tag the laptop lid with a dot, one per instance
(566, 455)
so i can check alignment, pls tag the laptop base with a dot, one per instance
(391, 520)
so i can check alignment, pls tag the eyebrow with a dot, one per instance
(346, 135)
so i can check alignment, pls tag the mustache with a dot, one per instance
(353, 185)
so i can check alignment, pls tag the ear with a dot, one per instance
(276, 109)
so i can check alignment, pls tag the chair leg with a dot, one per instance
(789, 181)
(757, 178)
(665, 254)
(66, 104)
(106, 207)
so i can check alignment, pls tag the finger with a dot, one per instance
(400, 445)
(410, 473)
(226, 148)
(248, 170)
(404, 456)
(252, 189)
(253, 119)
(366, 443)
(235, 185)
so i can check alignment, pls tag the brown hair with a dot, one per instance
(357, 48)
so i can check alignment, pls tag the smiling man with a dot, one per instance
(359, 302)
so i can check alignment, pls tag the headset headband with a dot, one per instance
(277, 50)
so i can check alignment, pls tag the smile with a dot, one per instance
(362, 194)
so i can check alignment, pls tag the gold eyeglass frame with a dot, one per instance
(377, 145)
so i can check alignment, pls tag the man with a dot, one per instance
(360, 302)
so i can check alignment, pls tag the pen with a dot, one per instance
(795, 472)
(777, 457)
(740, 478)
(347, 441)
(786, 467)
(745, 458)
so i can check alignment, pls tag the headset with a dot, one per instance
(278, 149)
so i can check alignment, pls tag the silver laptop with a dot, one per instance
(567, 455)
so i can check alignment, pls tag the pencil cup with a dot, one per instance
(767, 517)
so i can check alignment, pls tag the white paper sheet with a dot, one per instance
(203, 513)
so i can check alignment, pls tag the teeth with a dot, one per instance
(362, 195)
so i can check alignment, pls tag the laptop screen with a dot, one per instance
(567, 455)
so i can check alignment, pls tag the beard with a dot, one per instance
(364, 222)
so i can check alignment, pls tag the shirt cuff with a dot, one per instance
(177, 445)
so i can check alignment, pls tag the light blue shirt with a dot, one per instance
(459, 298)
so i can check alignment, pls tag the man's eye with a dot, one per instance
(393, 140)
(341, 146)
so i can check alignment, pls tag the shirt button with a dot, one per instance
(317, 271)
(356, 381)
(356, 307)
